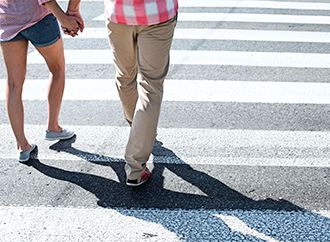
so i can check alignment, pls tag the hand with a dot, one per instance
(78, 19)
(70, 25)
(71, 22)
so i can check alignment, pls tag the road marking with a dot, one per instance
(189, 91)
(105, 224)
(189, 57)
(245, 4)
(77, 224)
(259, 18)
(255, 4)
(324, 213)
(228, 34)
(255, 35)
(238, 225)
(184, 146)
(243, 17)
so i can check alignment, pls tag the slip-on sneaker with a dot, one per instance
(24, 156)
(65, 134)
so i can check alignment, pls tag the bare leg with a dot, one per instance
(54, 57)
(14, 55)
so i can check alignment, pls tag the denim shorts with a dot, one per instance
(44, 33)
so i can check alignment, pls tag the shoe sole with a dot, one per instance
(136, 185)
(59, 138)
(23, 161)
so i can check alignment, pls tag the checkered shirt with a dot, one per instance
(140, 12)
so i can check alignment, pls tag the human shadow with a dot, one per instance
(281, 220)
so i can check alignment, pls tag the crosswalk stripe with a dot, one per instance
(76, 224)
(255, 4)
(189, 91)
(238, 225)
(191, 146)
(228, 34)
(243, 17)
(185, 57)
(259, 18)
(256, 35)
(245, 4)
(40, 223)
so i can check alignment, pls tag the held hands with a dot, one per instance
(71, 21)
(73, 24)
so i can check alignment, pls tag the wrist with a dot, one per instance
(71, 12)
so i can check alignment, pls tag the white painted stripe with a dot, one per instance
(259, 18)
(238, 225)
(101, 17)
(188, 57)
(255, 35)
(228, 34)
(78, 224)
(324, 213)
(242, 17)
(190, 90)
(90, 33)
(255, 4)
(31, 223)
(190, 146)
(245, 4)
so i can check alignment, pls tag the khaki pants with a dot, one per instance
(141, 57)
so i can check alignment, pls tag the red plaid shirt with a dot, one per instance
(140, 12)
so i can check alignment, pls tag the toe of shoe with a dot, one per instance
(68, 133)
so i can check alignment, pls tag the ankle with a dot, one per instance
(56, 129)
(23, 147)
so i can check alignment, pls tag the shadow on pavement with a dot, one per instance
(263, 220)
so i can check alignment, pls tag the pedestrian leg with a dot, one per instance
(153, 44)
(15, 55)
(54, 57)
(122, 40)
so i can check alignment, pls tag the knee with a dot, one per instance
(126, 82)
(15, 85)
(126, 76)
(58, 72)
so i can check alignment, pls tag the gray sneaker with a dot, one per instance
(65, 134)
(24, 156)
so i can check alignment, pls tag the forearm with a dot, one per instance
(56, 10)
(73, 10)
(67, 22)
(74, 5)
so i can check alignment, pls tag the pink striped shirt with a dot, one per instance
(140, 12)
(16, 15)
